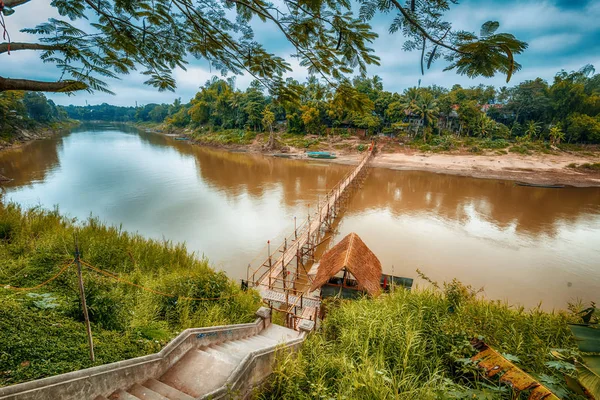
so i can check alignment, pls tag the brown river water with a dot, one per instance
(524, 245)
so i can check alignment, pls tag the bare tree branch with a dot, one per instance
(40, 86)
(14, 46)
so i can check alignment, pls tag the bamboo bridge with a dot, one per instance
(282, 279)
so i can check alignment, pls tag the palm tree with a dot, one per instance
(556, 134)
(408, 102)
(427, 109)
(485, 125)
(533, 128)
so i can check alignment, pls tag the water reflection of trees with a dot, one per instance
(31, 162)
(238, 173)
(532, 210)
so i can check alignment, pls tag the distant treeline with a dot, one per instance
(567, 110)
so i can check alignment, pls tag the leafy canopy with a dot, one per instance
(329, 38)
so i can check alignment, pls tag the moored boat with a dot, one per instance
(321, 154)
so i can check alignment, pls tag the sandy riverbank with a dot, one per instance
(536, 169)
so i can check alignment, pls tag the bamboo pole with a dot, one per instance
(86, 317)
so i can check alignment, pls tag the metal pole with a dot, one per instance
(83, 303)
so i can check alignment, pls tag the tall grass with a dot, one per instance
(415, 345)
(41, 332)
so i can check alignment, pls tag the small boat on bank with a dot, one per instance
(541, 185)
(321, 154)
(182, 138)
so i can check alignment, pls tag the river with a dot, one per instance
(522, 244)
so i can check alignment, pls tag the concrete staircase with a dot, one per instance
(219, 362)
(204, 369)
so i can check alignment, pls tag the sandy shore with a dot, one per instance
(539, 168)
(536, 169)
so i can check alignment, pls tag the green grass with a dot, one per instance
(415, 345)
(41, 331)
(585, 166)
(299, 141)
(225, 137)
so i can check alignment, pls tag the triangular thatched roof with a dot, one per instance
(354, 255)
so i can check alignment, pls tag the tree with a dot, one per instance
(427, 110)
(37, 106)
(533, 129)
(158, 36)
(485, 125)
(556, 134)
(267, 122)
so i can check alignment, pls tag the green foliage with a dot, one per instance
(42, 333)
(412, 345)
(531, 110)
(26, 110)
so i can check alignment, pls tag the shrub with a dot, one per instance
(44, 330)
(411, 345)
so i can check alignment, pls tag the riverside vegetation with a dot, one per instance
(531, 116)
(411, 344)
(416, 345)
(41, 330)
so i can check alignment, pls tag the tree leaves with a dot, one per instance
(488, 28)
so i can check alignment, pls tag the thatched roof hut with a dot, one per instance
(353, 255)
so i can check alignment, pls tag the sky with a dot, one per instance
(562, 34)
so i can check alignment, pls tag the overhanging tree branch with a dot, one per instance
(40, 86)
(15, 3)
(14, 46)
(423, 31)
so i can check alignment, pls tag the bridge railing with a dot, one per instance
(264, 268)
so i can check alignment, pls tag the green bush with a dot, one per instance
(42, 333)
(415, 345)
(494, 144)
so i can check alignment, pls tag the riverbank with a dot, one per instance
(534, 163)
(41, 328)
(39, 131)
(416, 345)
(535, 169)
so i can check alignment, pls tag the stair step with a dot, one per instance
(168, 391)
(228, 351)
(279, 333)
(120, 394)
(197, 373)
(145, 393)
(221, 355)
(264, 340)
(235, 349)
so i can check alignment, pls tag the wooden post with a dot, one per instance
(83, 303)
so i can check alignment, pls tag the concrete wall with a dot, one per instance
(88, 383)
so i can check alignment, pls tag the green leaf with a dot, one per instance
(589, 379)
(560, 365)
(489, 28)
(588, 339)
(593, 363)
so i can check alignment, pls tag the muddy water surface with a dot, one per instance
(522, 244)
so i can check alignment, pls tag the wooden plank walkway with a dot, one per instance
(270, 284)
(304, 237)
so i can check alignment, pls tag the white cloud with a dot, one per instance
(554, 42)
